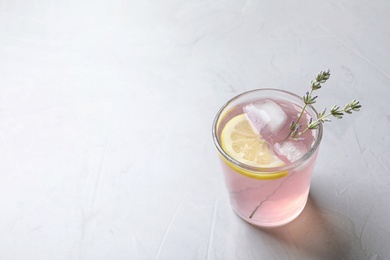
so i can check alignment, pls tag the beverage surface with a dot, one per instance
(257, 133)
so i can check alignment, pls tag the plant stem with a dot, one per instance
(299, 118)
(304, 131)
(321, 119)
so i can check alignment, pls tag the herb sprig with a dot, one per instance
(323, 117)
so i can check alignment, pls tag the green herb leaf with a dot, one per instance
(323, 117)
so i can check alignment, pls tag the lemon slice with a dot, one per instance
(244, 145)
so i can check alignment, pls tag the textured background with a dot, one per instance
(105, 126)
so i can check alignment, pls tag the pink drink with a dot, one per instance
(270, 196)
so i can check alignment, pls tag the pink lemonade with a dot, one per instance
(270, 196)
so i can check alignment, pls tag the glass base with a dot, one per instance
(271, 224)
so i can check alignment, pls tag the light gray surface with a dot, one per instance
(105, 126)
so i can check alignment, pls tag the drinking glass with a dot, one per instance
(267, 197)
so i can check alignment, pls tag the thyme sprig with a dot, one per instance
(323, 117)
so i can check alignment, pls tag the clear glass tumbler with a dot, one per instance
(268, 197)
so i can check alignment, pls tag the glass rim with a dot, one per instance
(264, 170)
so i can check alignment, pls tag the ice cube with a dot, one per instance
(266, 115)
(257, 117)
(292, 150)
